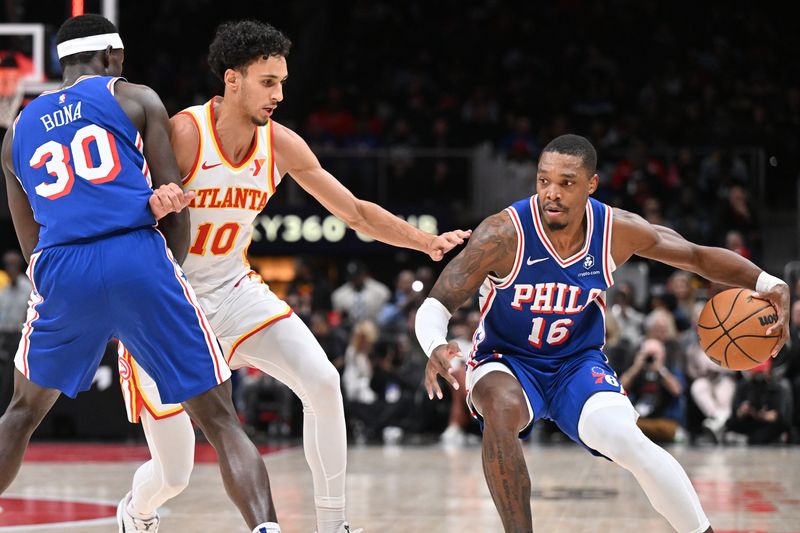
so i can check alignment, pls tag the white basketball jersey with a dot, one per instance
(229, 196)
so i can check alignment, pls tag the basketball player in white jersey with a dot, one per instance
(233, 156)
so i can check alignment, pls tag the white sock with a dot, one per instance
(329, 519)
(608, 425)
(136, 514)
(267, 527)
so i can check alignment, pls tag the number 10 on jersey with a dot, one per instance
(222, 242)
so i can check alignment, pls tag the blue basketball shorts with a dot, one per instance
(556, 393)
(125, 286)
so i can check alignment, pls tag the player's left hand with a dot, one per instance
(778, 296)
(445, 242)
(439, 365)
(168, 199)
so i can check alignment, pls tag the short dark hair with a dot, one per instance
(82, 26)
(570, 144)
(237, 44)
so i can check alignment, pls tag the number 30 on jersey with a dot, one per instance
(56, 160)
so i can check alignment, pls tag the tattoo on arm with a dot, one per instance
(490, 250)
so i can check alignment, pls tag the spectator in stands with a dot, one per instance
(681, 286)
(264, 403)
(655, 391)
(660, 324)
(14, 296)
(13, 306)
(307, 283)
(390, 408)
(629, 319)
(333, 339)
(761, 408)
(787, 366)
(618, 349)
(361, 297)
(712, 390)
(455, 434)
(734, 241)
(392, 317)
(638, 176)
(358, 363)
(737, 213)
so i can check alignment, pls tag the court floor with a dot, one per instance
(413, 488)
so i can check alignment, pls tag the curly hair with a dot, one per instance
(237, 44)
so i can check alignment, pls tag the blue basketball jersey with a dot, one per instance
(548, 309)
(81, 163)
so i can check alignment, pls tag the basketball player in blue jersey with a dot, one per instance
(543, 266)
(78, 163)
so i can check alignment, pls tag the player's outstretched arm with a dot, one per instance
(491, 250)
(21, 213)
(296, 158)
(147, 112)
(635, 236)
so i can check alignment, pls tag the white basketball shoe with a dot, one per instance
(129, 524)
(346, 529)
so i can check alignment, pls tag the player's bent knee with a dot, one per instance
(21, 419)
(503, 407)
(621, 441)
(175, 482)
(324, 382)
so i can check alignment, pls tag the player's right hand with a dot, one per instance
(779, 297)
(439, 365)
(168, 199)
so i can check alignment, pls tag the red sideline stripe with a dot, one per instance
(69, 452)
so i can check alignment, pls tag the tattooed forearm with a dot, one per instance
(491, 249)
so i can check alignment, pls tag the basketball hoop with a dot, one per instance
(10, 95)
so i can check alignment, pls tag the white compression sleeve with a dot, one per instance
(171, 443)
(608, 425)
(431, 325)
(288, 351)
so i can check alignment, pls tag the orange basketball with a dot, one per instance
(733, 329)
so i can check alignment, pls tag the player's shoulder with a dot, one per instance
(631, 229)
(143, 94)
(284, 134)
(185, 124)
(624, 217)
(498, 226)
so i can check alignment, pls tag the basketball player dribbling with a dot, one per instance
(543, 266)
(78, 163)
(232, 156)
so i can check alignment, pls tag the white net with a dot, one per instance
(11, 94)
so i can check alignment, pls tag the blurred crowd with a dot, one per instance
(424, 84)
(366, 328)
